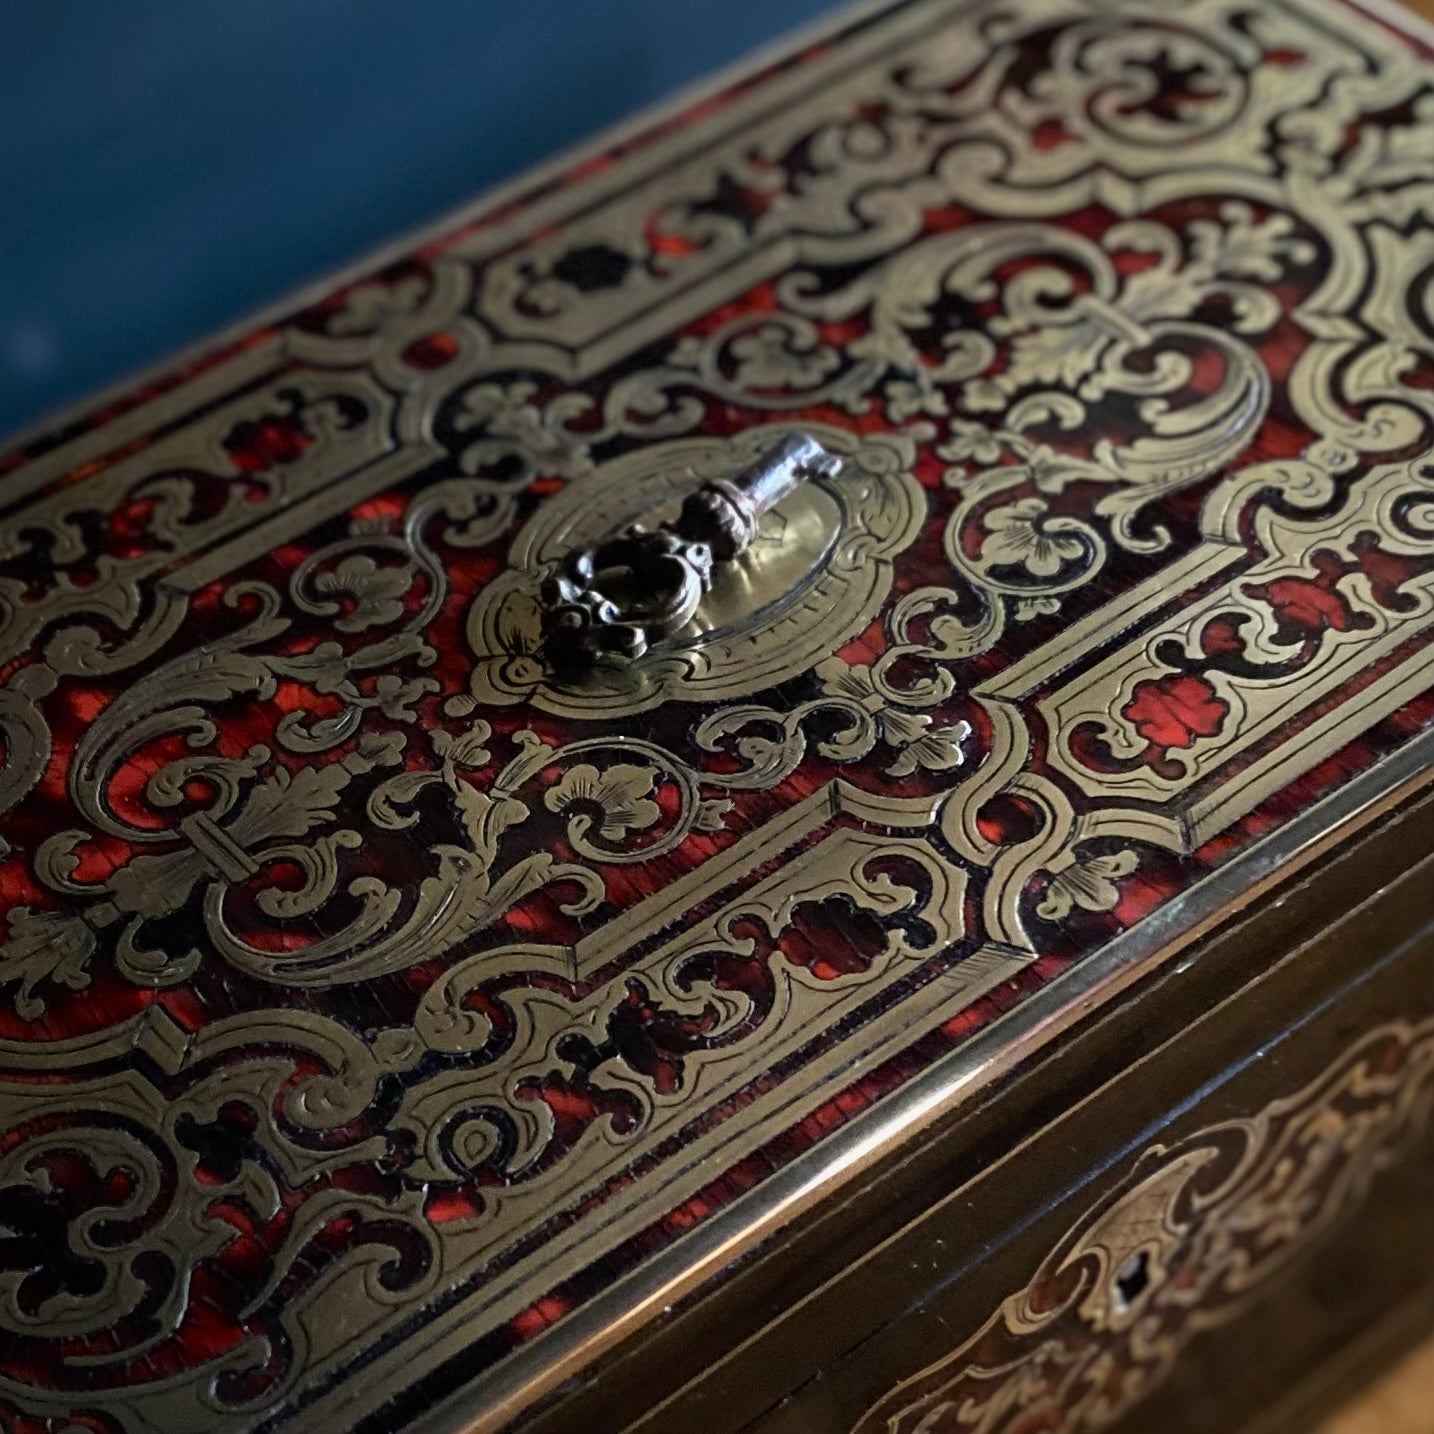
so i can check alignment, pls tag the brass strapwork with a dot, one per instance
(614, 599)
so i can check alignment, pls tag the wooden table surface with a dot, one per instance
(1402, 1402)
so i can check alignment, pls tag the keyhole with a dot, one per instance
(1132, 1280)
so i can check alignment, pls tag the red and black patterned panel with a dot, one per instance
(373, 996)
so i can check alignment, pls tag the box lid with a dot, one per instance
(385, 1012)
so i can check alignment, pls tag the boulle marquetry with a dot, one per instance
(963, 964)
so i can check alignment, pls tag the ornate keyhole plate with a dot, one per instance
(817, 572)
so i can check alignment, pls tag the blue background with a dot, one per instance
(169, 165)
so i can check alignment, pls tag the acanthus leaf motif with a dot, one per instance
(44, 947)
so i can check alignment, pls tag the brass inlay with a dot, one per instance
(1193, 1235)
(1239, 217)
(815, 574)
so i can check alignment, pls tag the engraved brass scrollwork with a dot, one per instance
(382, 956)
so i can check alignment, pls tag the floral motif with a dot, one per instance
(909, 397)
(509, 420)
(985, 395)
(1247, 247)
(368, 307)
(1020, 536)
(1308, 606)
(622, 794)
(377, 593)
(920, 744)
(1068, 345)
(394, 696)
(971, 443)
(1088, 882)
(772, 356)
(468, 750)
(1058, 355)
(916, 741)
(45, 946)
(1173, 711)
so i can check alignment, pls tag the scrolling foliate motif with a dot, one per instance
(363, 984)
(1329, 597)
(1187, 1242)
